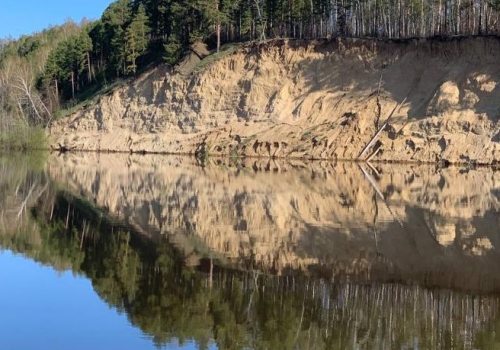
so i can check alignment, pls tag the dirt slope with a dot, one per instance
(318, 100)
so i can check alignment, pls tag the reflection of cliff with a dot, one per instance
(148, 280)
(434, 226)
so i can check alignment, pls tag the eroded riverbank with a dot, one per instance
(310, 100)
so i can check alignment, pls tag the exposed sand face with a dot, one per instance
(315, 100)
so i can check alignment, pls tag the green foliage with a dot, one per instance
(27, 45)
(225, 50)
(173, 49)
(24, 97)
(246, 23)
(136, 38)
(68, 61)
(115, 19)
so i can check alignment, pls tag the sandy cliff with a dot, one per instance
(321, 100)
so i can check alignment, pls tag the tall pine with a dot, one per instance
(136, 38)
(115, 19)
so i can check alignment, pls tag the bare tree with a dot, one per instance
(259, 6)
(19, 75)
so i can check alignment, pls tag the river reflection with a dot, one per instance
(269, 255)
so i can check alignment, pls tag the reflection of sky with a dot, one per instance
(41, 308)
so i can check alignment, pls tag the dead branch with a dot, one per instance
(377, 134)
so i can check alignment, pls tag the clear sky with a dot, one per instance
(18, 17)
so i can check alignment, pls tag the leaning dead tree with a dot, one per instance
(262, 23)
(29, 99)
(17, 84)
(377, 134)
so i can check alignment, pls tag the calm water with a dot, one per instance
(138, 252)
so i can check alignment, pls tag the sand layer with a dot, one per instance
(314, 100)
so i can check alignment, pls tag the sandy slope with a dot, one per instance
(316, 100)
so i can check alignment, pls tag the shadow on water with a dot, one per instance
(290, 260)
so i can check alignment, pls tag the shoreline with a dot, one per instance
(442, 164)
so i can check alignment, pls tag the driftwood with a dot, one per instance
(379, 107)
(62, 148)
(377, 134)
(379, 148)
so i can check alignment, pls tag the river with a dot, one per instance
(119, 251)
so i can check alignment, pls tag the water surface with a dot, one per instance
(148, 251)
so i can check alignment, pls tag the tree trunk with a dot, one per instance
(333, 17)
(258, 5)
(480, 20)
(57, 91)
(73, 84)
(313, 24)
(217, 27)
(440, 18)
(89, 67)
(445, 17)
(422, 20)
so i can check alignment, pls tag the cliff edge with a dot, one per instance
(416, 100)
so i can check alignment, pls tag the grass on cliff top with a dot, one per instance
(225, 50)
(99, 89)
(88, 97)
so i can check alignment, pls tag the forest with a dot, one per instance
(47, 73)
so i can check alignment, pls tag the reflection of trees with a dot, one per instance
(22, 183)
(147, 279)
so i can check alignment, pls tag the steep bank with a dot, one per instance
(319, 100)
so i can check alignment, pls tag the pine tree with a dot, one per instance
(136, 38)
(115, 19)
(84, 48)
(216, 13)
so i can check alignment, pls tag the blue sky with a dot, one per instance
(18, 17)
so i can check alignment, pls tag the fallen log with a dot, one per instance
(62, 148)
(377, 134)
